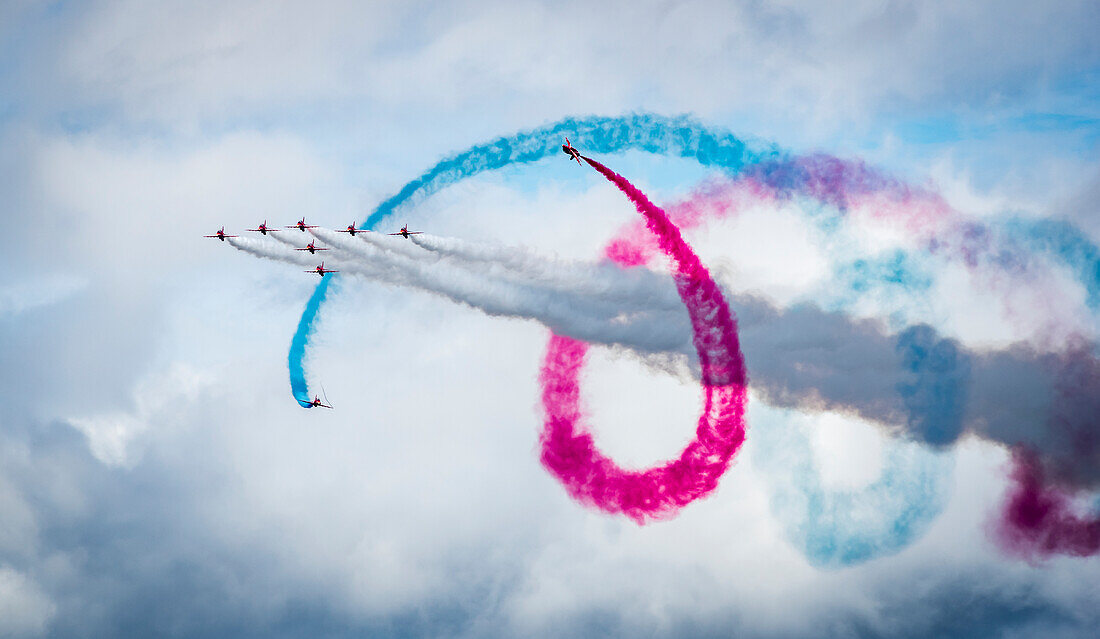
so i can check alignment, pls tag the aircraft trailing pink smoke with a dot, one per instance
(569, 451)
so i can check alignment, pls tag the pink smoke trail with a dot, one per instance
(568, 450)
(1038, 519)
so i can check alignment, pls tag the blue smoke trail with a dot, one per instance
(906, 478)
(298, 343)
(1066, 242)
(836, 528)
(934, 395)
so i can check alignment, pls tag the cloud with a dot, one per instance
(24, 609)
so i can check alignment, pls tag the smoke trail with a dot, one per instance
(833, 528)
(838, 527)
(286, 238)
(585, 314)
(1039, 519)
(685, 138)
(266, 250)
(570, 453)
(677, 136)
(631, 290)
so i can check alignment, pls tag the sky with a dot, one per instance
(909, 248)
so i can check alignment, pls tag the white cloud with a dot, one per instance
(25, 610)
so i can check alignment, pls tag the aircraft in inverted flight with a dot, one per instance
(317, 402)
(263, 230)
(311, 248)
(405, 232)
(321, 270)
(301, 225)
(573, 153)
(351, 230)
(220, 234)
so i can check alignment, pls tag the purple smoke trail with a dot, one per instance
(569, 452)
(1038, 519)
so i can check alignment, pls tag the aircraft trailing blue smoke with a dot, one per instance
(297, 355)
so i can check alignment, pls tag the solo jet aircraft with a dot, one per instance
(405, 232)
(573, 153)
(317, 402)
(220, 234)
(301, 225)
(263, 230)
(321, 270)
(351, 230)
(311, 248)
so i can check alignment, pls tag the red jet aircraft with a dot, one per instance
(317, 402)
(301, 225)
(568, 149)
(311, 248)
(321, 270)
(220, 234)
(351, 230)
(405, 232)
(263, 230)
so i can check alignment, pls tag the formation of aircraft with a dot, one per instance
(263, 229)
(311, 248)
(301, 225)
(405, 232)
(220, 234)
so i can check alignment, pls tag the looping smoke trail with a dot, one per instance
(677, 136)
(570, 453)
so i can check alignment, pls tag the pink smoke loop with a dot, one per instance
(569, 451)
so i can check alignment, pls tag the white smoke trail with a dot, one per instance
(575, 313)
(290, 238)
(270, 251)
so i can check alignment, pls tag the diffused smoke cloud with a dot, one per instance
(930, 387)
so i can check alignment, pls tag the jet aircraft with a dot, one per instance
(405, 232)
(311, 248)
(220, 234)
(317, 402)
(301, 225)
(263, 230)
(321, 270)
(573, 153)
(351, 230)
